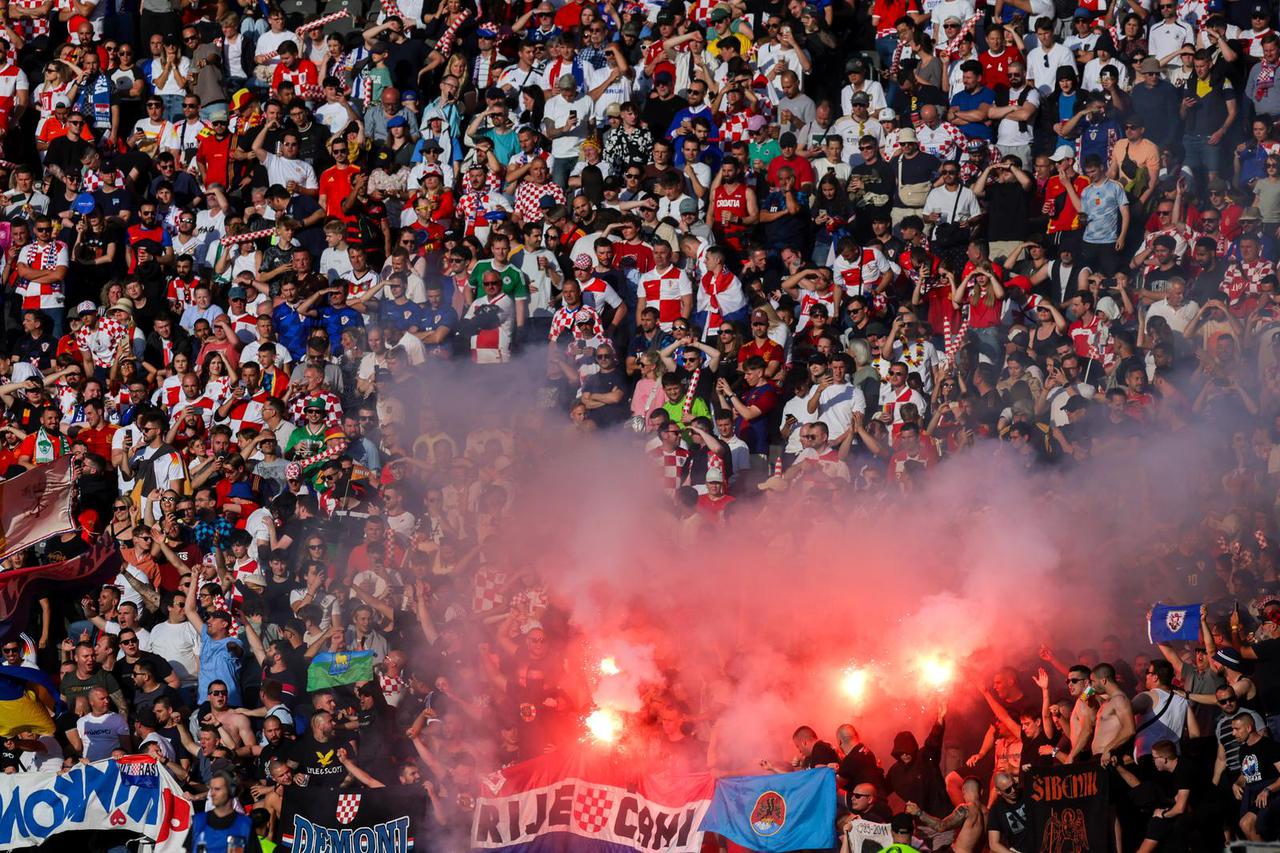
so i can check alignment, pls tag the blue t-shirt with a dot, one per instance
(1102, 203)
(335, 320)
(401, 317)
(292, 329)
(965, 100)
(217, 663)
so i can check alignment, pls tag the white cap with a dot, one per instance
(86, 307)
(887, 114)
(1063, 152)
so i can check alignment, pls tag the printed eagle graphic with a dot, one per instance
(325, 758)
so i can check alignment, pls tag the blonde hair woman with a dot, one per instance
(648, 390)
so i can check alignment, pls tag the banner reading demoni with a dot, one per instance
(1068, 808)
(134, 794)
(353, 820)
(582, 801)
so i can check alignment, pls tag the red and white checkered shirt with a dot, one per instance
(528, 198)
(37, 296)
(664, 291)
(206, 404)
(393, 688)
(700, 11)
(100, 341)
(945, 141)
(30, 28)
(733, 127)
(567, 318)
(247, 414)
(1243, 279)
(92, 181)
(675, 465)
(332, 408)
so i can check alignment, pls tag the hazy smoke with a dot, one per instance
(753, 623)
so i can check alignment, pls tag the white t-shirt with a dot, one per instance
(270, 42)
(945, 203)
(1011, 132)
(171, 86)
(837, 405)
(101, 735)
(557, 110)
(281, 171)
(961, 9)
(179, 644)
(798, 406)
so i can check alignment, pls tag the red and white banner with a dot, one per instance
(589, 800)
(35, 506)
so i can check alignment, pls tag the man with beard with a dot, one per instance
(813, 752)
(733, 209)
(316, 754)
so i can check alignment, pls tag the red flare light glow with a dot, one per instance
(935, 672)
(609, 666)
(603, 725)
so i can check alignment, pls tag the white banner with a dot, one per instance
(134, 794)
(866, 835)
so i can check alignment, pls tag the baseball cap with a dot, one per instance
(1217, 185)
(663, 78)
(1150, 65)
(1076, 404)
(754, 123)
(860, 99)
(315, 403)
(688, 205)
(715, 475)
(1082, 13)
(430, 144)
(1063, 152)
(237, 293)
(582, 262)
(759, 315)
(86, 307)
(719, 13)
(887, 114)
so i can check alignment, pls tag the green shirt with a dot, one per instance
(700, 409)
(764, 153)
(513, 282)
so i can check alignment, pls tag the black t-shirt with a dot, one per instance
(320, 761)
(821, 755)
(1031, 756)
(1009, 211)
(282, 750)
(1012, 822)
(1258, 761)
(1267, 674)
(602, 383)
(1169, 783)
(859, 766)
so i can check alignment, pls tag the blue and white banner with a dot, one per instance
(134, 794)
(784, 811)
(1171, 622)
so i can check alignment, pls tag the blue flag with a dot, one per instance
(787, 811)
(1171, 622)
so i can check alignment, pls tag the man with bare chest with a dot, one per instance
(1114, 727)
(968, 820)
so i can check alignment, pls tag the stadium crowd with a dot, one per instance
(786, 251)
